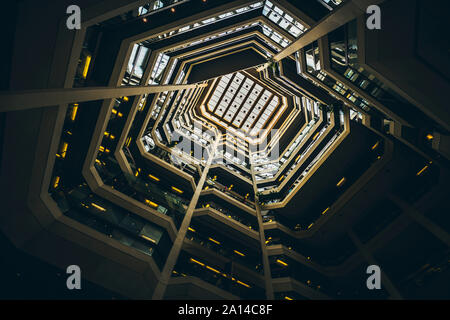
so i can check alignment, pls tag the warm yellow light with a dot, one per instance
(98, 207)
(326, 210)
(242, 283)
(125, 99)
(281, 178)
(430, 136)
(120, 114)
(56, 183)
(148, 238)
(281, 262)
(197, 262)
(177, 190)
(64, 147)
(86, 66)
(74, 112)
(375, 145)
(190, 229)
(213, 240)
(422, 170)
(102, 148)
(151, 203)
(341, 182)
(153, 177)
(316, 135)
(239, 253)
(309, 227)
(288, 298)
(212, 269)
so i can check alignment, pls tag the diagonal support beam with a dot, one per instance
(172, 258)
(350, 10)
(22, 100)
(368, 256)
(262, 239)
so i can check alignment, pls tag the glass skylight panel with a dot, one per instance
(172, 68)
(132, 57)
(158, 69)
(206, 21)
(284, 20)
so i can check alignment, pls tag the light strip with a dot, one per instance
(64, 149)
(341, 182)
(242, 283)
(98, 207)
(56, 184)
(177, 190)
(151, 203)
(197, 262)
(148, 238)
(152, 176)
(422, 170)
(212, 269)
(215, 241)
(86, 66)
(239, 253)
(74, 112)
(282, 262)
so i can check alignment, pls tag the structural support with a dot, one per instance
(262, 238)
(172, 258)
(367, 255)
(21, 100)
(350, 10)
(415, 215)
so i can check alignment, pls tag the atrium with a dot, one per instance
(230, 149)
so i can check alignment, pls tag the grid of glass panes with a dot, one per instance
(206, 22)
(284, 20)
(331, 4)
(158, 69)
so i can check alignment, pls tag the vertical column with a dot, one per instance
(262, 238)
(172, 258)
(387, 283)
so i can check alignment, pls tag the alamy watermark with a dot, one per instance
(374, 280)
(74, 20)
(74, 280)
(373, 22)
